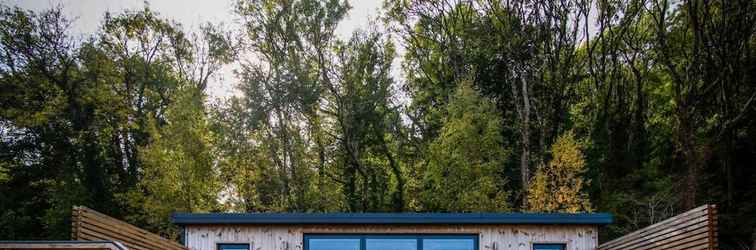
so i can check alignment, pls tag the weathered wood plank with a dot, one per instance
(87, 234)
(677, 237)
(60, 245)
(91, 225)
(117, 231)
(694, 229)
(670, 222)
(637, 242)
(91, 216)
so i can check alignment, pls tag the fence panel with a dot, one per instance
(695, 229)
(91, 225)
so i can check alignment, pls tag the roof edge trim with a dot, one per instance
(391, 218)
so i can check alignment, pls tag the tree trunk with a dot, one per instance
(398, 196)
(692, 158)
(350, 186)
(321, 168)
(525, 134)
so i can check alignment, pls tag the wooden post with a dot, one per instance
(75, 222)
(712, 214)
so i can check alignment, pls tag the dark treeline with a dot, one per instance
(640, 108)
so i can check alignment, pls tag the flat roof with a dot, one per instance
(392, 218)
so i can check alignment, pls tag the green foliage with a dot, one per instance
(559, 186)
(465, 163)
(178, 173)
(76, 114)
(280, 106)
(3, 172)
(52, 137)
(660, 93)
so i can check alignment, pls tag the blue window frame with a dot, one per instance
(233, 246)
(548, 246)
(391, 242)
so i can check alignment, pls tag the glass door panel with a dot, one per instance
(448, 244)
(334, 244)
(391, 244)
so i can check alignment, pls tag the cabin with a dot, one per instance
(390, 231)
(695, 229)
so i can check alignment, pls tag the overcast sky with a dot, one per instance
(88, 14)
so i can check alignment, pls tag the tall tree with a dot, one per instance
(365, 122)
(283, 92)
(464, 170)
(522, 54)
(55, 141)
(179, 174)
(75, 112)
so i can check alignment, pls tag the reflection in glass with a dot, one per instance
(334, 244)
(448, 244)
(233, 246)
(391, 244)
(548, 246)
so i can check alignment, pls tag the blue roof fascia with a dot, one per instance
(392, 218)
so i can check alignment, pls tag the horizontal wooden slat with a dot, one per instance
(91, 225)
(663, 233)
(677, 237)
(93, 235)
(696, 212)
(89, 215)
(98, 223)
(694, 229)
(59, 245)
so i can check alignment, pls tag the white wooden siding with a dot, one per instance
(491, 237)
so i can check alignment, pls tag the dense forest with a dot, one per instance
(639, 108)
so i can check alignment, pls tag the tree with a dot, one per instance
(144, 48)
(365, 121)
(560, 185)
(179, 173)
(465, 164)
(660, 93)
(320, 109)
(75, 112)
(522, 54)
(283, 91)
(54, 140)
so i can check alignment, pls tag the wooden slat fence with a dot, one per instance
(695, 230)
(60, 245)
(91, 225)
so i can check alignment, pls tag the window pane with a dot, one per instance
(548, 246)
(233, 246)
(333, 244)
(391, 244)
(448, 244)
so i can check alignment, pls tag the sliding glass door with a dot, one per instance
(390, 242)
